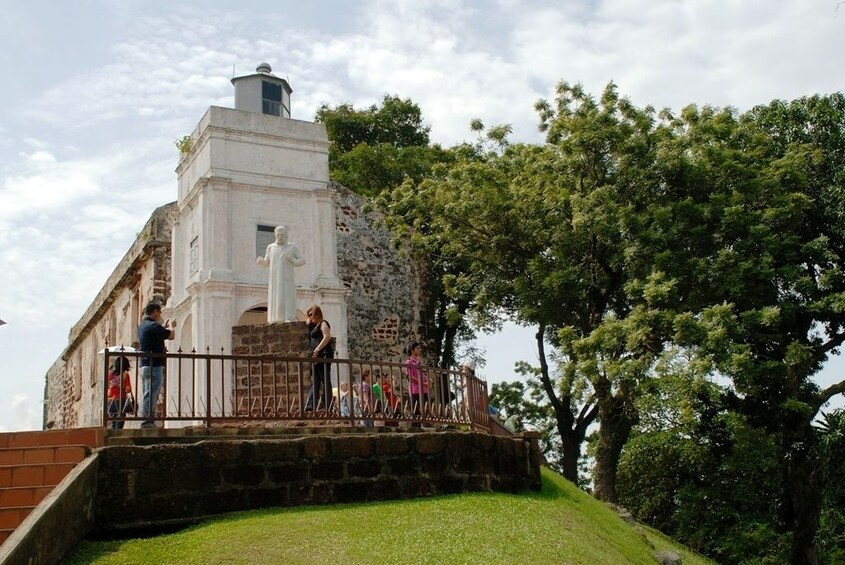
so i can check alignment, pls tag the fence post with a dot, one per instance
(106, 387)
(208, 391)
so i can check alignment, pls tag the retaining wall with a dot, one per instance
(150, 486)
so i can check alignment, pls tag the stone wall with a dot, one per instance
(165, 484)
(268, 380)
(386, 288)
(73, 391)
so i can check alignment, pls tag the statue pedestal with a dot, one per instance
(269, 386)
(288, 339)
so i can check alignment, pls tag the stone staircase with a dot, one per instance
(33, 463)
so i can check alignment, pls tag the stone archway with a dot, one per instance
(254, 316)
(258, 315)
(184, 391)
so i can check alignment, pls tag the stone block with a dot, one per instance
(289, 472)
(464, 463)
(352, 446)
(415, 486)
(451, 484)
(243, 475)
(278, 450)
(429, 443)
(393, 444)
(459, 442)
(264, 497)
(483, 441)
(220, 451)
(357, 491)
(328, 471)
(364, 468)
(385, 488)
(403, 466)
(314, 447)
(478, 483)
(434, 464)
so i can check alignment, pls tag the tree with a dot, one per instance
(546, 235)
(768, 273)
(831, 448)
(697, 471)
(628, 231)
(373, 151)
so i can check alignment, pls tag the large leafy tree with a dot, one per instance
(547, 236)
(698, 471)
(762, 280)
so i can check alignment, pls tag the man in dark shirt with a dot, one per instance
(151, 336)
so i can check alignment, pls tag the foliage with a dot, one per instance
(549, 236)
(767, 272)
(373, 152)
(831, 536)
(434, 530)
(375, 149)
(711, 241)
(714, 494)
(184, 144)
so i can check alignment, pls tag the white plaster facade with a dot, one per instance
(246, 169)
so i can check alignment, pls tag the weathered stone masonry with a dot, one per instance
(386, 287)
(73, 391)
(142, 486)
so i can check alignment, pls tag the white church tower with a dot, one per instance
(246, 171)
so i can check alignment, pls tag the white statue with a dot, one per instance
(281, 257)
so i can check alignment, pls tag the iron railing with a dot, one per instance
(218, 389)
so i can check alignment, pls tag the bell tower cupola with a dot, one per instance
(263, 93)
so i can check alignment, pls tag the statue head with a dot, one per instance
(281, 233)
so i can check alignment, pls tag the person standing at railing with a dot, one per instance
(151, 337)
(418, 378)
(471, 398)
(119, 393)
(320, 335)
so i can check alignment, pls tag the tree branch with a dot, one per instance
(828, 393)
(544, 375)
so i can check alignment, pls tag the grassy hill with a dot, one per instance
(560, 524)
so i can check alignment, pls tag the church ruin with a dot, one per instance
(242, 172)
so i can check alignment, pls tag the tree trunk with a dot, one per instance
(572, 429)
(571, 446)
(805, 499)
(616, 420)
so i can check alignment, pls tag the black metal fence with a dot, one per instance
(217, 389)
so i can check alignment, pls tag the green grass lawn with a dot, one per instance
(561, 524)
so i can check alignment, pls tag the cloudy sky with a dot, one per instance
(95, 93)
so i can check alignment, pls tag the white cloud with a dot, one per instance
(22, 413)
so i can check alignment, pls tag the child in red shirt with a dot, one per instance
(120, 402)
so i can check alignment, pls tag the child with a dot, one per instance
(120, 402)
